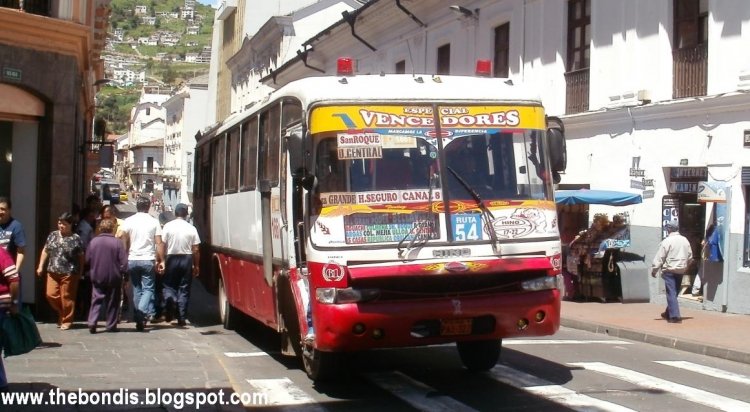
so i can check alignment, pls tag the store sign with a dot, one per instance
(11, 74)
(668, 212)
(712, 192)
(637, 172)
(746, 138)
(687, 174)
(683, 187)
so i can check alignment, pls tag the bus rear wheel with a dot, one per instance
(322, 366)
(479, 355)
(227, 313)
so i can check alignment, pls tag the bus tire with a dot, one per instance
(479, 355)
(322, 366)
(227, 313)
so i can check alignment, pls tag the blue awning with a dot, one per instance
(596, 197)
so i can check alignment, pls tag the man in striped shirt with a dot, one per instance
(8, 298)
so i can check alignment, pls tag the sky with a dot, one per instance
(209, 2)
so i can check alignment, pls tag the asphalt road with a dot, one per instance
(573, 370)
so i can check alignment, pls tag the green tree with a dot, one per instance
(169, 75)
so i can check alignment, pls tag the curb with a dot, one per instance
(660, 340)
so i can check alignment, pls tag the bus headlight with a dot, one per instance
(330, 296)
(543, 283)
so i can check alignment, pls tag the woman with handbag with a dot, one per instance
(8, 298)
(64, 250)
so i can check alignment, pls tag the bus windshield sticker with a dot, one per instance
(399, 142)
(396, 118)
(359, 146)
(521, 222)
(376, 198)
(467, 227)
(363, 228)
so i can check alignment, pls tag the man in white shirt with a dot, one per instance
(672, 258)
(142, 235)
(181, 242)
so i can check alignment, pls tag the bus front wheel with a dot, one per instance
(227, 313)
(321, 366)
(480, 355)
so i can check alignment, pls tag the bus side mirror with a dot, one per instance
(556, 142)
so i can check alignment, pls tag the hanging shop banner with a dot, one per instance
(712, 192)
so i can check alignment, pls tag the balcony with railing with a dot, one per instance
(690, 71)
(577, 91)
(141, 170)
(40, 7)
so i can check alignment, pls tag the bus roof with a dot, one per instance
(395, 88)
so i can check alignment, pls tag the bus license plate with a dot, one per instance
(454, 327)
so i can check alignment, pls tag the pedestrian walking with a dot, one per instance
(672, 259)
(164, 217)
(9, 292)
(181, 241)
(142, 235)
(110, 212)
(107, 261)
(12, 236)
(86, 224)
(85, 230)
(64, 259)
(710, 252)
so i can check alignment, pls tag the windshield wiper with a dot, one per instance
(416, 237)
(487, 215)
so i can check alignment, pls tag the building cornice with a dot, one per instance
(672, 109)
(47, 34)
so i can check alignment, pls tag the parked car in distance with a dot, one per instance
(109, 192)
(123, 196)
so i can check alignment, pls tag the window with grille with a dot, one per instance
(579, 34)
(579, 40)
(690, 48)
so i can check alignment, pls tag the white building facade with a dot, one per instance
(185, 114)
(146, 143)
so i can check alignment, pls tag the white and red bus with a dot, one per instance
(361, 212)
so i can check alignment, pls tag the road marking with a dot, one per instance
(283, 392)
(555, 393)
(562, 342)
(681, 391)
(244, 354)
(415, 393)
(709, 371)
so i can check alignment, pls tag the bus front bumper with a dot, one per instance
(404, 323)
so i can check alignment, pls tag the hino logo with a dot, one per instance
(446, 253)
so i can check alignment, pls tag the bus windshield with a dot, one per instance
(388, 178)
(497, 166)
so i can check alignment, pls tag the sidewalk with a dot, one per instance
(160, 369)
(723, 335)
